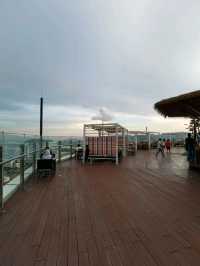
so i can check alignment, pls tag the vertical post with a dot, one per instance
(71, 150)
(149, 140)
(170, 139)
(117, 155)
(195, 129)
(84, 144)
(124, 142)
(34, 158)
(1, 178)
(127, 141)
(3, 141)
(41, 122)
(24, 138)
(22, 168)
(59, 151)
(136, 143)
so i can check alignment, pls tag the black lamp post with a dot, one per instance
(41, 121)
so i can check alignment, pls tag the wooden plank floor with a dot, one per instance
(146, 211)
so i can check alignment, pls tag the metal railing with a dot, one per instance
(14, 172)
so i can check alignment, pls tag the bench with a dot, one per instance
(92, 158)
(46, 167)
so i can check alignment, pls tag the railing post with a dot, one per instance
(22, 168)
(59, 151)
(34, 158)
(1, 178)
(117, 148)
(71, 150)
(149, 141)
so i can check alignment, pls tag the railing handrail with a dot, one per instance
(19, 157)
(23, 133)
(30, 153)
(18, 144)
(34, 151)
(12, 159)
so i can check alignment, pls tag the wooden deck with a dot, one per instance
(143, 212)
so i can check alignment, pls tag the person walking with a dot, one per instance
(163, 144)
(160, 148)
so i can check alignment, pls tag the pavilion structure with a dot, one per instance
(187, 106)
(106, 141)
(144, 133)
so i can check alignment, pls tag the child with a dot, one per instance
(168, 145)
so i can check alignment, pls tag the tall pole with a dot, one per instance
(41, 121)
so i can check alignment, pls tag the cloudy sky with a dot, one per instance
(83, 55)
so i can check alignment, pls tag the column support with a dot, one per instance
(149, 140)
(22, 166)
(84, 143)
(117, 154)
(1, 179)
(136, 143)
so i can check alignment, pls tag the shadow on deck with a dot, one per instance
(143, 212)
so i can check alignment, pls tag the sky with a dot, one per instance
(83, 56)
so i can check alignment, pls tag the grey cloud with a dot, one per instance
(123, 55)
(103, 115)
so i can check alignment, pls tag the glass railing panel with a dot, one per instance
(28, 165)
(54, 150)
(65, 151)
(11, 177)
(12, 148)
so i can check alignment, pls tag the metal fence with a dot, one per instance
(11, 142)
(15, 171)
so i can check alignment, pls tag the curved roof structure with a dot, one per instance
(185, 105)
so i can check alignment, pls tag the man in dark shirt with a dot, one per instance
(87, 152)
(190, 147)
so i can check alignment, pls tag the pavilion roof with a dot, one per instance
(107, 127)
(185, 105)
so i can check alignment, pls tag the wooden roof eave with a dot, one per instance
(187, 105)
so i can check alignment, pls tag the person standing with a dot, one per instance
(78, 152)
(87, 152)
(168, 145)
(190, 147)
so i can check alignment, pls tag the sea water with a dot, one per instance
(11, 143)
